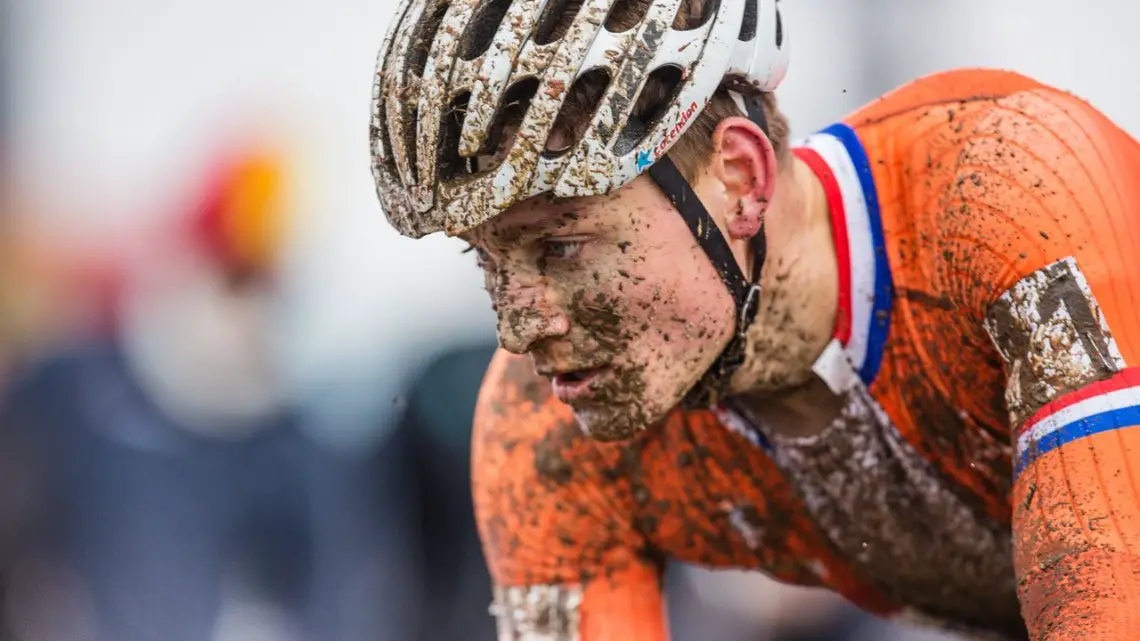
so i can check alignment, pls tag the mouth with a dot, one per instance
(575, 385)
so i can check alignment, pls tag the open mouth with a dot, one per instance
(573, 377)
(569, 386)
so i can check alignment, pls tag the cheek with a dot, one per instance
(506, 287)
(681, 291)
(679, 301)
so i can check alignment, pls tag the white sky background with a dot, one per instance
(117, 101)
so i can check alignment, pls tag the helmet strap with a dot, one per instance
(745, 292)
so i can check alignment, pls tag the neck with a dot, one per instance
(800, 281)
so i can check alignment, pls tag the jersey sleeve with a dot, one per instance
(1039, 236)
(562, 551)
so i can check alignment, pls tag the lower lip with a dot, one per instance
(567, 390)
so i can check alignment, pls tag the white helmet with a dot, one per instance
(448, 67)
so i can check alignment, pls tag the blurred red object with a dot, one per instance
(240, 218)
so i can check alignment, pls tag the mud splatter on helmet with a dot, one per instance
(447, 69)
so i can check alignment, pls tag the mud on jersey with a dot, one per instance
(980, 473)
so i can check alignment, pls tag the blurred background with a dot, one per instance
(236, 404)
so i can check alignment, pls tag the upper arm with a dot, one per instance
(1047, 233)
(567, 563)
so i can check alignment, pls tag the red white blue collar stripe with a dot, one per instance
(866, 286)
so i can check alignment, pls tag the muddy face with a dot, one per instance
(613, 299)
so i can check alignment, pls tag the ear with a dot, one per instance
(745, 163)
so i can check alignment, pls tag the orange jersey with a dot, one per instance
(987, 353)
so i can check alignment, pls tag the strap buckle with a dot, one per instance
(747, 311)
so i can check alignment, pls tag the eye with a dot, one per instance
(561, 249)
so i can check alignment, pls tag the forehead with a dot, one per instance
(546, 214)
(542, 215)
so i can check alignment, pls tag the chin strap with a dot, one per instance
(745, 292)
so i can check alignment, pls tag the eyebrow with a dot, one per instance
(539, 225)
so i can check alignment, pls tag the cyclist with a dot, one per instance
(897, 358)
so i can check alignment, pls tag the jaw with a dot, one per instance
(796, 320)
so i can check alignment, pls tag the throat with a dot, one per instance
(803, 411)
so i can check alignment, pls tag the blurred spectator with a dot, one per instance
(176, 497)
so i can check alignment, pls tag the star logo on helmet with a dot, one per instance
(644, 159)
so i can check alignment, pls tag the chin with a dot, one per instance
(613, 424)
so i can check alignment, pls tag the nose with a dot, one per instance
(527, 315)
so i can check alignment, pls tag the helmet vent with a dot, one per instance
(748, 24)
(412, 117)
(626, 14)
(694, 14)
(380, 136)
(577, 112)
(556, 20)
(500, 140)
(661, 90)
(451, 164)
(482, 28)
(424, 36)
(779, 27)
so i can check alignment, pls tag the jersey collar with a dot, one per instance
(838, 159)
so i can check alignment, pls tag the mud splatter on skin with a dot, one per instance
(599, 314)
(622, 392)
(614, 282)
(618, 404)
(785, 338)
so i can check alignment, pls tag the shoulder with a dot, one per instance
(1050, 141)
(996, 176)
(944, 88)
(1022, 212)
(1035, 178)
(978, 123)
(972, 87)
